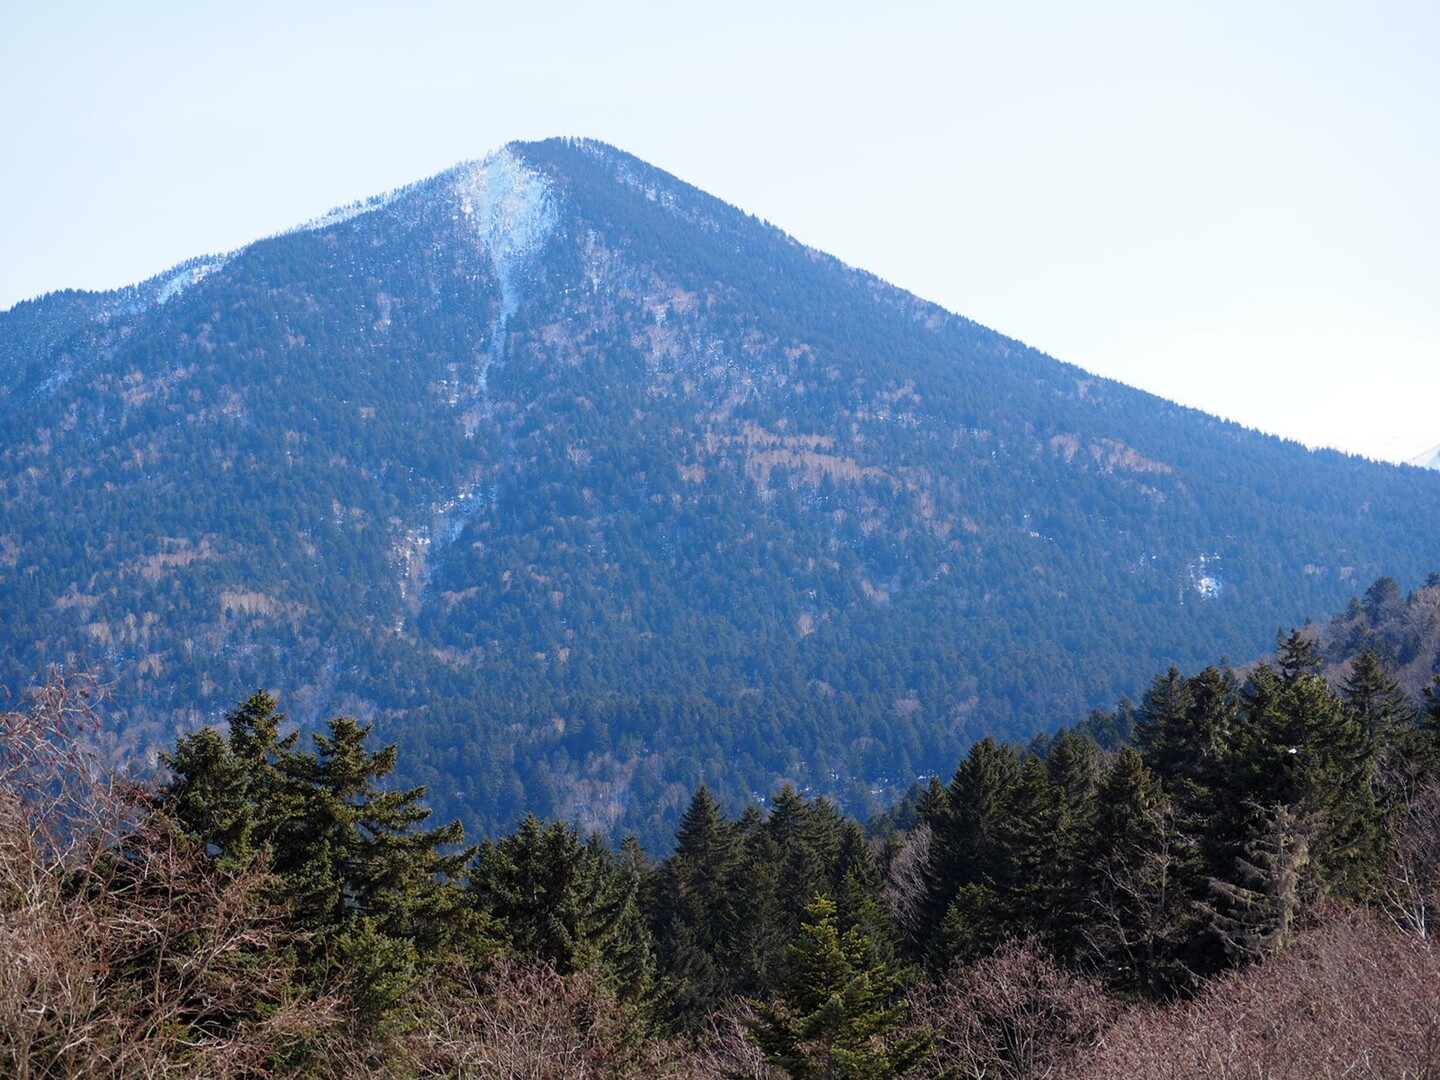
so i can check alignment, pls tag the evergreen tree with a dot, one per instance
(208, 796)
(354, 850)
(1047, 834)
(1383, 710)
(1302, 748)
(372, 893)
(1423, 744)
(763, 924)
(227, 794)
(692, 902)
(1186, 733)
(965, 849)
(837, 1015)
(805, 838)
(565, 901)
(1256, 911)
(858, 890)
(1144, 875)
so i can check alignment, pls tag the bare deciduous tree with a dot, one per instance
(1353, 998)
(906, 883)
(1015, 1015)
(125, 953)
(1138, 906)
(1412, 885)
(528, 1022)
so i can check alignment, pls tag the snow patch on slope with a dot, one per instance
(1205, 580)
(185, 276)
(351, 210)
(512, 211)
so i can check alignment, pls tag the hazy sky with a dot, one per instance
(1235, 205)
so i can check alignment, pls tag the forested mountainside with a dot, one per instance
(1400, 629)
(591, 488)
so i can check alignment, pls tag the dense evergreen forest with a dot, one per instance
(589, 488)
(1239, 847)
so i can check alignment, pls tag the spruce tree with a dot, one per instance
(837, 1015)
(1144, 875)
(1256, 910)
(763, 923)
(692, 902)
(1381, 707)
(965, 853)
(567, 902)
(355, 850)
(1047, 834)
(226, 793)
(1422, 746)
(371, 893)
(1185, 734)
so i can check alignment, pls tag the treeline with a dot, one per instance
(274, 907)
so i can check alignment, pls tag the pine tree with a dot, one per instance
(567, 902)
(965, 853)
(692, 902)
(208, 796)
(859, 886)
(372, 894)
(1144, 876)
(837, 1015)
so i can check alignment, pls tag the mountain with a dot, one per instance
(589, 487)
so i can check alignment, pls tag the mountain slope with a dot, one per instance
(590, 487)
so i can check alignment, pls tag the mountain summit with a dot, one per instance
(589, 487)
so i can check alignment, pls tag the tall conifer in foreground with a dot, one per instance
(837, 1015)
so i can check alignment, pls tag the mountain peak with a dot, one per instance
(512, 209)
(592, 487)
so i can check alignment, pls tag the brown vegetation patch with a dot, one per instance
(1113, 454)
(451, 599)
(1353, 998)
(175, 551)
(258, 605)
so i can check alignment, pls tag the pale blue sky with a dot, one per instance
(1235, 205)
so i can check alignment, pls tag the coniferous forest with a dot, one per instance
(1237, 875)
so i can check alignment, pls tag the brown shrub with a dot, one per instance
(124, 953)
(1015, 1014)
(1353, 998)
(527, 1022)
